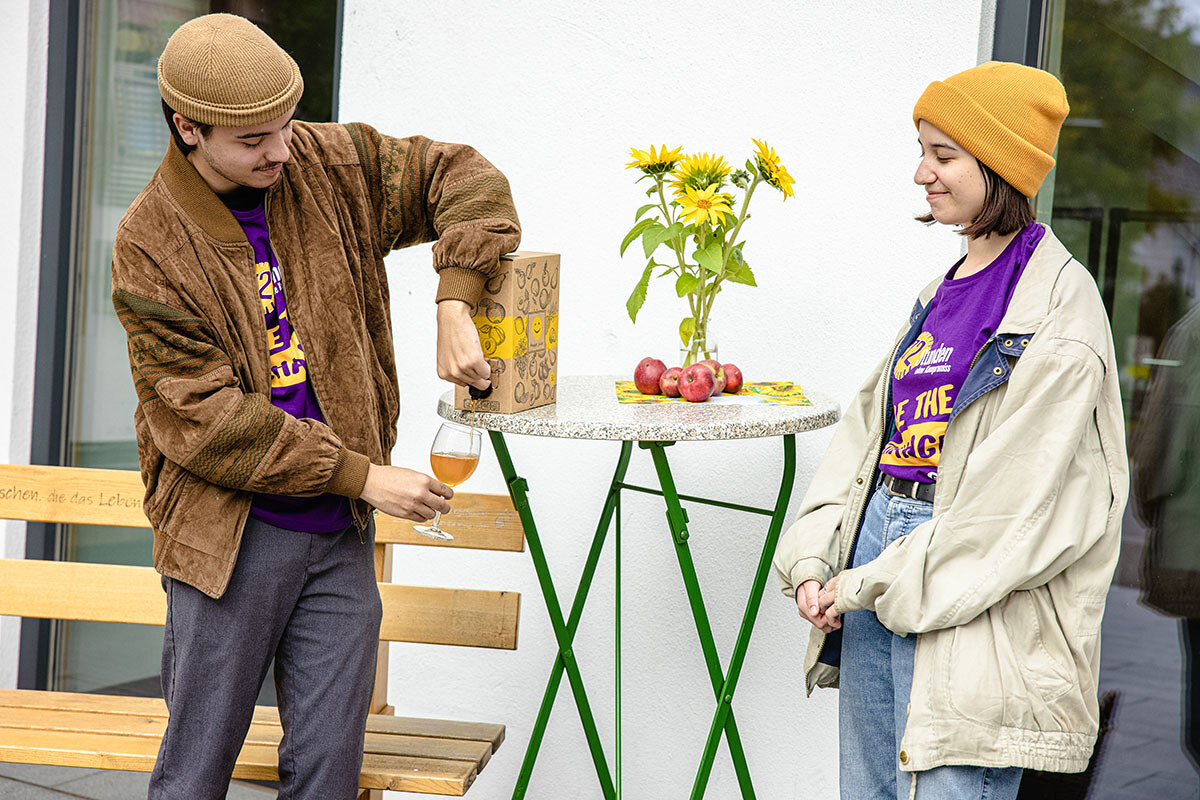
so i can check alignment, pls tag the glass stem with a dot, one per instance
(437, 517)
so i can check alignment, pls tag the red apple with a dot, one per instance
(647, 375)
(718, 374)
(696, 383)
(733, 378)
(669, 382)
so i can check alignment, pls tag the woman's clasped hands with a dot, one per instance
(815, 603)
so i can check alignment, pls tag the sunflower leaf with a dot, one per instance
(686, 284)
(635, 232)
(710, 258)
(655, 235)
(686, 329)
(634, 304)
(644, 209)
(735, 254)
(739, 272)
(650, 237)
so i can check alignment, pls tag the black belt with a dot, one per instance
(914, 489)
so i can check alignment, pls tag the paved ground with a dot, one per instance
(1143, 759)
(33, 782)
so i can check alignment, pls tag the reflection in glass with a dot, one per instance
(1166, 499)
(1126, 200)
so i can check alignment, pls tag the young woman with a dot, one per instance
(956, 545)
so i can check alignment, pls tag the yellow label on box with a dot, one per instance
(512, 337)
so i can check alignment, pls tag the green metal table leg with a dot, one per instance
(724, 712)
(677, 520)
(617, 666)
(564, 632)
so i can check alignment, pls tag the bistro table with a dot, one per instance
(587, 408)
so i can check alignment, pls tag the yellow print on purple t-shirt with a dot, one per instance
(266, 292)
(289, 367)
(921, 434)
(912, 356)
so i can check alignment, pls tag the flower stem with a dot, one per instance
(741, 218)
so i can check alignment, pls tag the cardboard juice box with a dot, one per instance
(517, 319)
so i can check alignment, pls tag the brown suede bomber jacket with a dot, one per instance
(184, 288)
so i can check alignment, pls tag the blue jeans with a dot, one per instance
(876, 680)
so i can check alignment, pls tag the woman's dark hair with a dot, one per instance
(186, 148)
(1005, 210)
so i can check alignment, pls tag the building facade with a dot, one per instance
(555, 97)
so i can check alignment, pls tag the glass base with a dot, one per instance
(697, 352)
(433, 532)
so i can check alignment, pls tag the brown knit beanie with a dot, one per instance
(1006, 115)
(221, 69)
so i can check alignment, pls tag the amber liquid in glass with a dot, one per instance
(453, 468)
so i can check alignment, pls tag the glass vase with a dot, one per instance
(701, 347)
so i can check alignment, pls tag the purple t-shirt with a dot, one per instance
(290, 388)
(927, 376)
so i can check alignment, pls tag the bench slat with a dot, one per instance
(449, 616)
(478, 521)
(78, 495)
(88, 496)
(118, 705)
(117, 593)
(439, 728)
(256, 762)
(261, 733)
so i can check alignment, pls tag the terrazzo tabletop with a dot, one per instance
(587, 408)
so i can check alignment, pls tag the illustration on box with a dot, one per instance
(517, 320)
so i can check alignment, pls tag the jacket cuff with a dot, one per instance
(458, 283)
(349, 474)
(846, 597)
(806, 569)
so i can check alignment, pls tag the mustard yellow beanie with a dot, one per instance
(1006, 115)
(221, 69)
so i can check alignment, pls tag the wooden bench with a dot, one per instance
(117, 732)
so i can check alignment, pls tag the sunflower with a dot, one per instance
(699, 171)
(655, 162)
(772, 169)
(704, 205)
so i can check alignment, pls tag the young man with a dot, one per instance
(249, 277)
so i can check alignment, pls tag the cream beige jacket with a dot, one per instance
(1005, 585)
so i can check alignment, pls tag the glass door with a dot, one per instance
(123, 138)
(1125, 199)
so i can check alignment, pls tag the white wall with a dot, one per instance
(23, 96)
(555, 95)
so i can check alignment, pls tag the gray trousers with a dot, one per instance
(308, 600)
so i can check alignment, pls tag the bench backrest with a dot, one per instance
(116, 593)
(84, 496)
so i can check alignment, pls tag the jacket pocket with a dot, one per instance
(168, 487)
(1039, 641)
(1007, 667)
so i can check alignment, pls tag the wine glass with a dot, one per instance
(454, 456)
